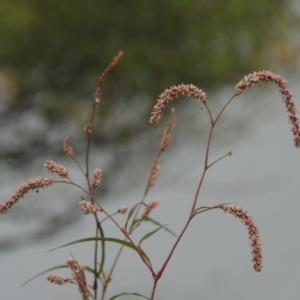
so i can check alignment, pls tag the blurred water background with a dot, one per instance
(51, 57)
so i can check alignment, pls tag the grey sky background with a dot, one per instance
(213, 260)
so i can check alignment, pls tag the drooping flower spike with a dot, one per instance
(168, 95)
(253, 232)
(33, 184)
(287, 96)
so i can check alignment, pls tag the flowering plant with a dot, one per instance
(141, 211)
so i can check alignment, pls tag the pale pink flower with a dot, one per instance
(123, 210)
(79, 277)
(87, 207)
(67, 148)
(57, 279)
(150, 207)
(167, 133)
(96, 178)
(168, 95)
(153, 174)
(54, 167)
(33, 184)
(287, 96)
(253, 232)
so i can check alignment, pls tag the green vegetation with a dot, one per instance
(55, 50)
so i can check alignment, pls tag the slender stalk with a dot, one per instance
(98, 225)
(153, 289)
(133, 226)
(214, 162)
(131, 241)
(73, 183)
(102, 253)
(78, 165)
(206, 167)
(160, 272)
(88, 129)
(222, 110)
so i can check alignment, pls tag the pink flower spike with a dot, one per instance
(96, 178)
(57, 279)
(123, 210)
(67, 148)
(87, 207)
(33, 184)
(153, 174)
(79, 277)
(168, 95)
(287, 96)
(253, 232)
(54, 167)
(167, 133)
(150, 207)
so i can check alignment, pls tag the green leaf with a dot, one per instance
(106, 239)
(104, 275)
(125, 294)
(91, 239)
(146, 236)
(206, 208)
(147, 219)
(44, 272)
(103, 250)
(199, 209)
(90, 270)
(132, 211)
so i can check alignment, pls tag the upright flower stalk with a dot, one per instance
(150, 207)
(79, 277)
(166, 139)
(96, 178)
(67, 148)
(153, 174)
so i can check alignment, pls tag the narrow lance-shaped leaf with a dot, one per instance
(147, 219)
(146, 236)
(54, 268)
(44, 272)
(104, 275)
(107, 239)
(126, 294)
(199, 209)
(103, 250)
(91, 239)
(132, 211)
(205, 208)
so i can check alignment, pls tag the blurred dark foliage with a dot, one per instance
(52, 52)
